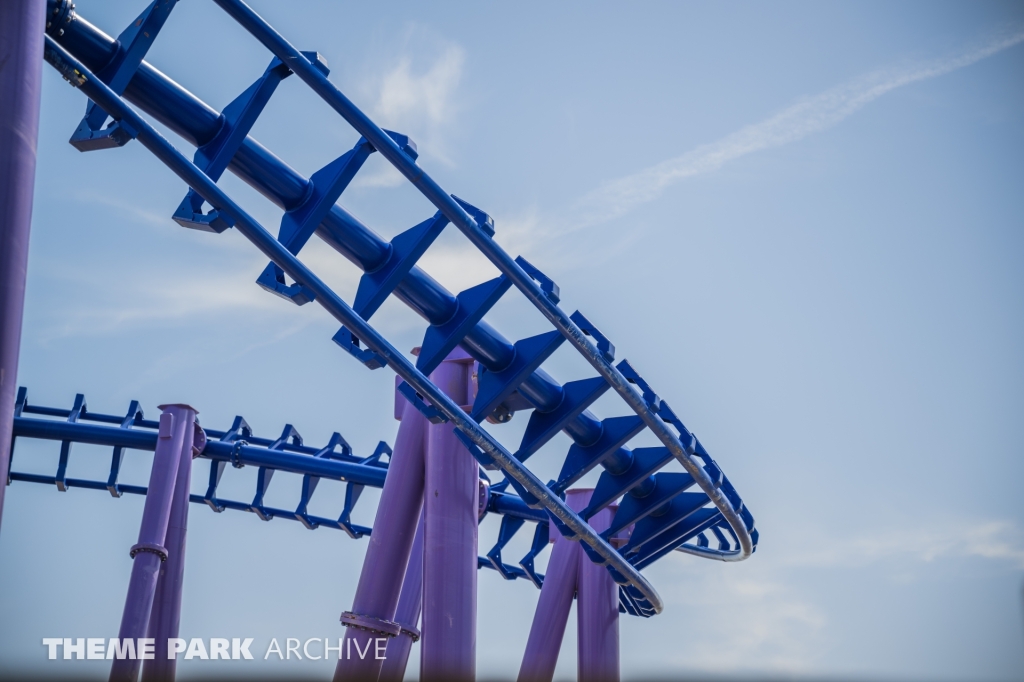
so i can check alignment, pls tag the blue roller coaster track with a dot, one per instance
(665, 510)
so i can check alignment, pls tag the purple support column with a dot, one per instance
(408, 615)
(21, 65)
(387, 556)
(166, 615)
(597, 613)
(555, 600)
(175, 436)
(451, 496)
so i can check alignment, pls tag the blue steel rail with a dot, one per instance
(240, 448)
(663, 515)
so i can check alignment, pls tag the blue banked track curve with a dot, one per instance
(658, 510)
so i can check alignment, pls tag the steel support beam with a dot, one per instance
(571, 574)
(488, 446)
(177, 424)
(597, 613)
(387, 556)
(197, 122)
(410, 605)
(451, 513)
(21, 47)
(165, 619)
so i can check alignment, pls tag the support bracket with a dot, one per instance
(471, 306)
(577, 396)
(615, 432)
(214, 157)
(494, 387)
(132, 45)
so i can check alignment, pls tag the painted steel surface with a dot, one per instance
(410, 605)
(570, 576)
(450, 517)
(237, 446)
(174, 442)
(387, 557)
(165, 618)
(655, 505)
(21, 44)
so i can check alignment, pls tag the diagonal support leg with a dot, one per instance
(166, 615)
(552, 614)
(571, 574)
(410, 605)
(387, 556)
(175, 436)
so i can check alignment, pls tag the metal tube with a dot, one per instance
(387, 554)
(217, 450)
(165, 618)
(21, 45)
(553, 605)
(176, 431)
(552, 613)
(410, 604)
(194, 120)
(79, 75)
(450, 519)
(433, 192)
(197, 122)
(179, 109)
(303, 464)
(510, 505)
(597, 614)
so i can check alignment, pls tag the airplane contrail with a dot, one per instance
(808, 115)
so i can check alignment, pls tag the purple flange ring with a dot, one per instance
(413, 633)
(150, 547)
(379, 625)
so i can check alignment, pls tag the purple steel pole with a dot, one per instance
(166, 615)
(21, 65)
(555, 600)
(408, 615)
(451, 502)
(597, 613)
(175, 436)
(387, 556)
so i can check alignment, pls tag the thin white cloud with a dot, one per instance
(807, 116)
(744, 618)
(758, 612)
(192, 290)
(421, 101)
(997, 540)
(154, 300)
(416, 96)
(132, 211)
(408, 97)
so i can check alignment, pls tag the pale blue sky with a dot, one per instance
(797, 220)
